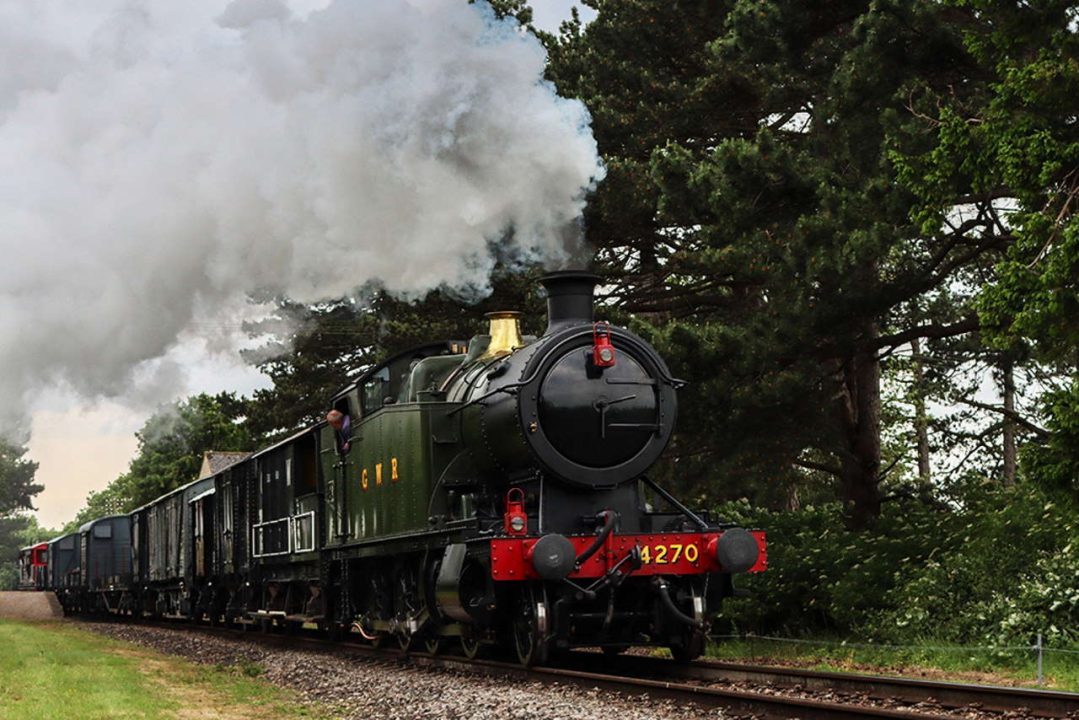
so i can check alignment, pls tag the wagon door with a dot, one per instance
(139, 558)
(226, 522)
(305, 491)
(209, 534)
(271, 532)
(84, 559)
(202, 533)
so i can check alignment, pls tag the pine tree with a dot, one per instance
(17, 487)
(758, 214)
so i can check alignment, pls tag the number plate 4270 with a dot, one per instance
(669, 554)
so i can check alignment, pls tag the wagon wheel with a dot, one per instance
(329, 630)
(212, 602)
(470, 644)
(530, 626)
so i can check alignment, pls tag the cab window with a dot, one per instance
(375, 390)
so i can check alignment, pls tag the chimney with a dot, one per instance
(569, 298)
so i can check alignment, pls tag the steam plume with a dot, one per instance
(160, 160)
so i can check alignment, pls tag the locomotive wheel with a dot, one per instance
(407, 604)
(690, 648)
(529, 627)
(434, 644)
(470, 645)
(407, 640)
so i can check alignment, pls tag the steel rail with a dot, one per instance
(994, 698)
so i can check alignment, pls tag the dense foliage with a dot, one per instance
(999, 569)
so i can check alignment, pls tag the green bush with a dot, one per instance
(823, 577)
(998, 568)
(993, 584)
(1046, 600)
(9, 576)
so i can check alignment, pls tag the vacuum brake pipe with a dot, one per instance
(609, 519)
(665, 595)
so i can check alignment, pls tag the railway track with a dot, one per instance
(903, 691)
(740, 690)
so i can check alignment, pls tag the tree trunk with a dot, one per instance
(1008, 383)
(794, 502)
(859, 410)
(921, 418)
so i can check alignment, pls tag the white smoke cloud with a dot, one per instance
(158, 161)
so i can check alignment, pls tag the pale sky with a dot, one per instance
(82, 446)
(549, 14)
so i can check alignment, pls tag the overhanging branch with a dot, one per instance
(932, 330)
(822, 467)
(1010, 414)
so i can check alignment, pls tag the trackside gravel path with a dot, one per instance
(359, 688)
(16, 605)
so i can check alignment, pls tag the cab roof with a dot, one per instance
(64, 537)
(86, 527)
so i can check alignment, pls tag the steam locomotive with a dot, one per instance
(489, 494)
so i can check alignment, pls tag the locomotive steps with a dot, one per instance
(22, 605)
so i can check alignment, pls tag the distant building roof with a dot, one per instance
(214, 461)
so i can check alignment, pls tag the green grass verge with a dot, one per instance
(929, 658)
(53, 670)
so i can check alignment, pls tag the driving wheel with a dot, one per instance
(530, 626)
(470, 645)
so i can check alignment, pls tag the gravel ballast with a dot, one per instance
(356, 686)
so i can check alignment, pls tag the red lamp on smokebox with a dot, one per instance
(515, 521)
(602, 350)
